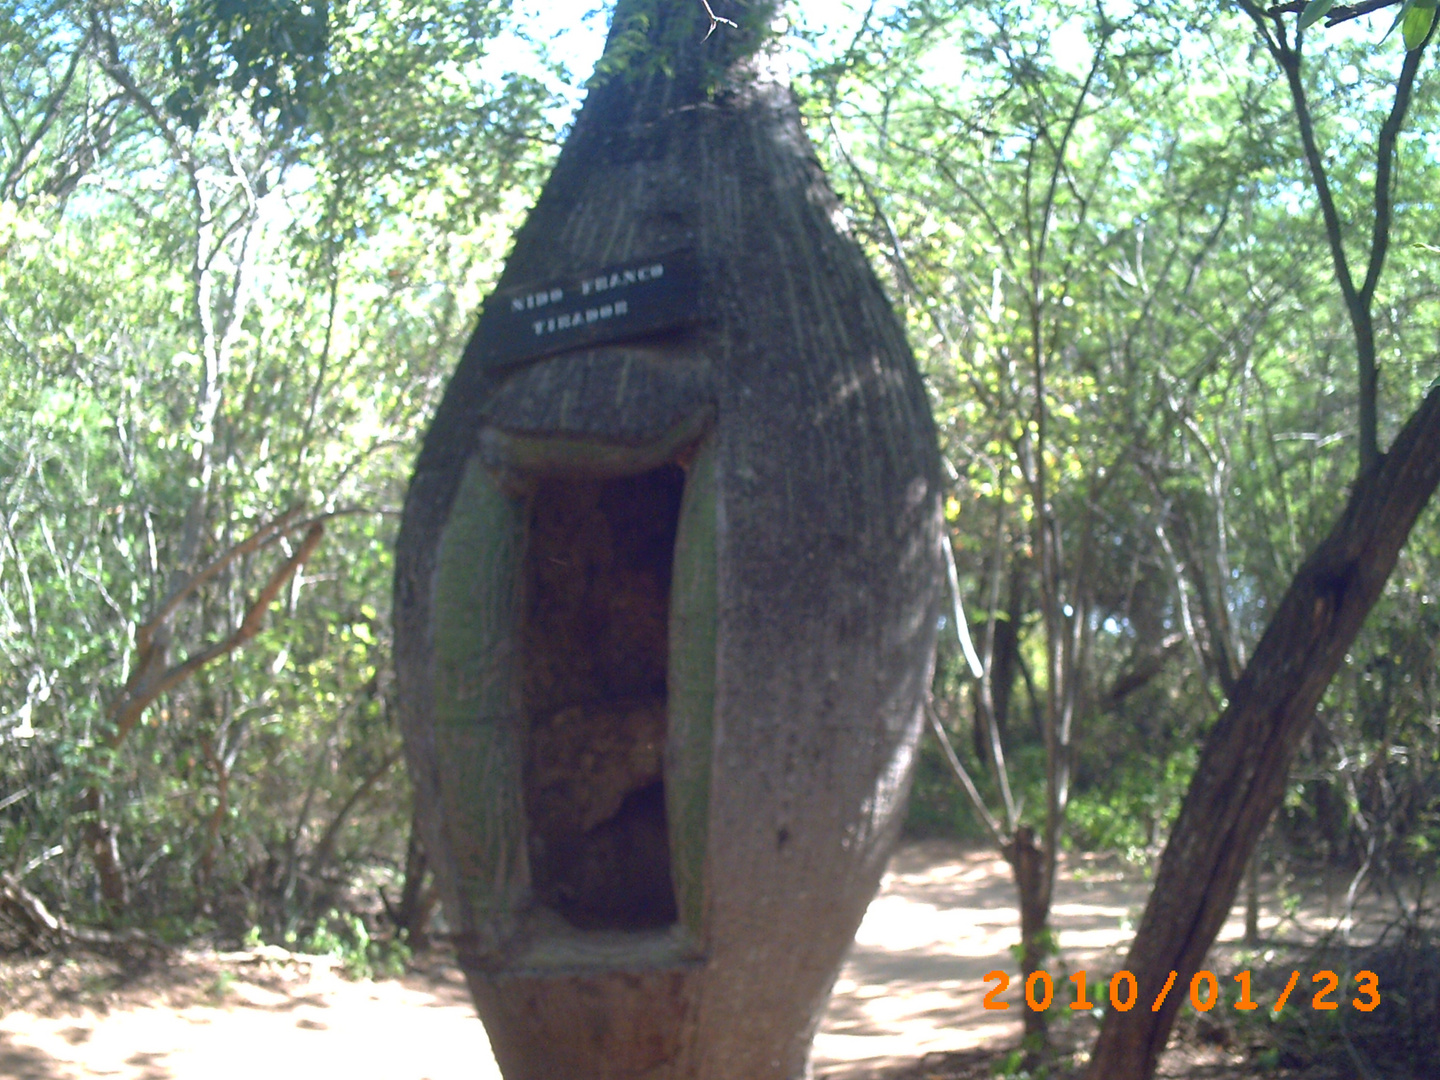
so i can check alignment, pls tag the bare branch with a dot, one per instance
(115, 67)
(1384, 171)
(45, 928)
(266, 534)
(254, 615)
(902, 267)
(962, 628)
(970, 789)
(133, 705)
(1357, 303)
(325, 849)
(715, 20)
(49, 114)
(1338, 14)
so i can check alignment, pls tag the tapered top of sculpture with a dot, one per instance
(676, 51)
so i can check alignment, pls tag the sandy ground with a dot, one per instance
(913, 985)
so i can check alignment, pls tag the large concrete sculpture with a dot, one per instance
(667, 585)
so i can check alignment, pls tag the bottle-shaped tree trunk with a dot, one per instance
(667, 584)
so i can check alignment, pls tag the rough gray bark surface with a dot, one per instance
(827, 529)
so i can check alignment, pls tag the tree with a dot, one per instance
(659, 783)
(1043, 218)
(222, 317)
(1241, 776)
(1197, 366)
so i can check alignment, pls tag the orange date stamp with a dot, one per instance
(1124, 991)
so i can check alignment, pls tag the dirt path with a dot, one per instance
(913, 985)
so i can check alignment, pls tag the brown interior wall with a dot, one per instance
(594, 637)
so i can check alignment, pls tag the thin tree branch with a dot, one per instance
(907, 280)
(1337, 14)
(47, 119)
(1384, 171)
(266, 534)
(1357, 301)
(128, 714)
(715, 20)
(45, 928)
(962, 628)
(113, 66)
(325, 849)
(964, 777)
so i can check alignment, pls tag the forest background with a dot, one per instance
(241, 247)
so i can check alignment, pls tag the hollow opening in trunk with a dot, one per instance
(595, 643)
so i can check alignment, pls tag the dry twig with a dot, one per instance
(715, 20)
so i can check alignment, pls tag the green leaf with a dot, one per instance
(1314, 11)
(1405, 9)
(1417, 26)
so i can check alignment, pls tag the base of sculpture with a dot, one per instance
(590, 1005)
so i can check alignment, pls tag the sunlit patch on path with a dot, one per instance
(946, 915)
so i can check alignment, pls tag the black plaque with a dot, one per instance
(634, 299)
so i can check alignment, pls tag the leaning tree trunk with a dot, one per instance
(1240, 779)
(667, 584)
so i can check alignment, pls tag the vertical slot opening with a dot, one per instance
(595, 652)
